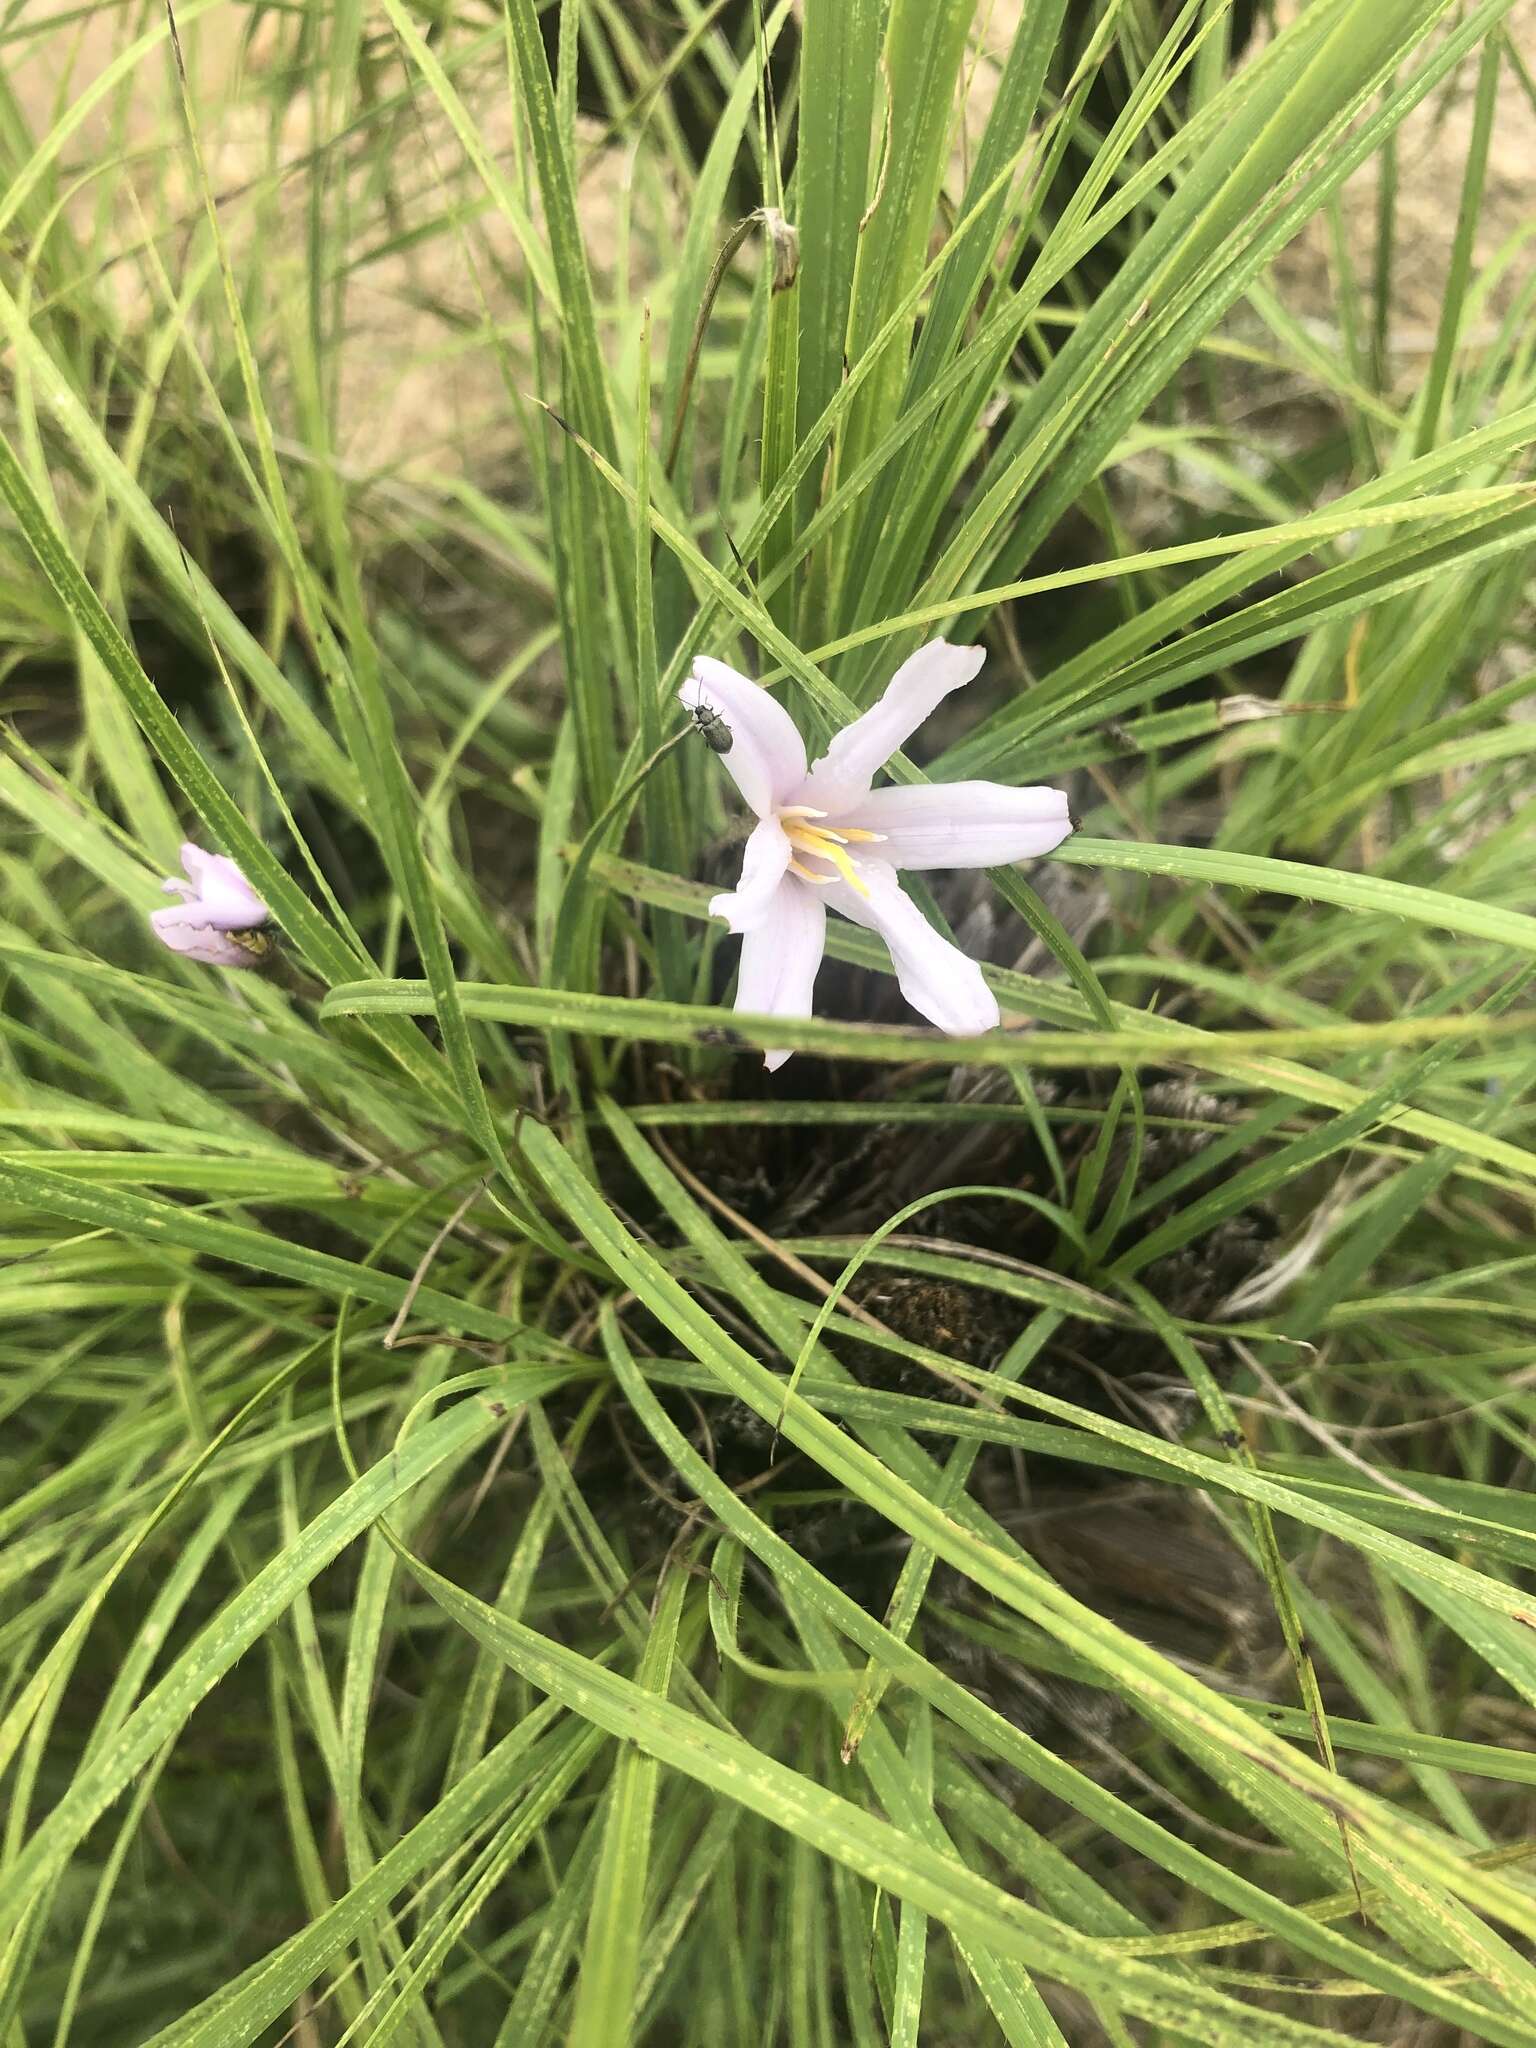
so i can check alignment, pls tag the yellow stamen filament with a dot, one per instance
(823, 844)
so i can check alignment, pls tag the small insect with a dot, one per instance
(257, 942)
(712, 729)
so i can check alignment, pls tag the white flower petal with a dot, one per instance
(843, 774)
(228, 901)
(765, 857)
(780, 957)
(938, 980)
(962, 824)
(184, 927)
(194, 860)
(767, 755)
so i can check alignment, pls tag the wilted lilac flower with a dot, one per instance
(219, 921)
(825, 838)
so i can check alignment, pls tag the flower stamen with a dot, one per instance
(821, 844)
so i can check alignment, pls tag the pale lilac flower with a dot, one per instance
(219, 920)
(825, 838)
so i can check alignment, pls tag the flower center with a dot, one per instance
(822, 843)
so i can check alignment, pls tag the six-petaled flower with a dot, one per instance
(826, 839)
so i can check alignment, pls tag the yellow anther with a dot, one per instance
(821, 844)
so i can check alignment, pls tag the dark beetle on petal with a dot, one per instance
(712, 728)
